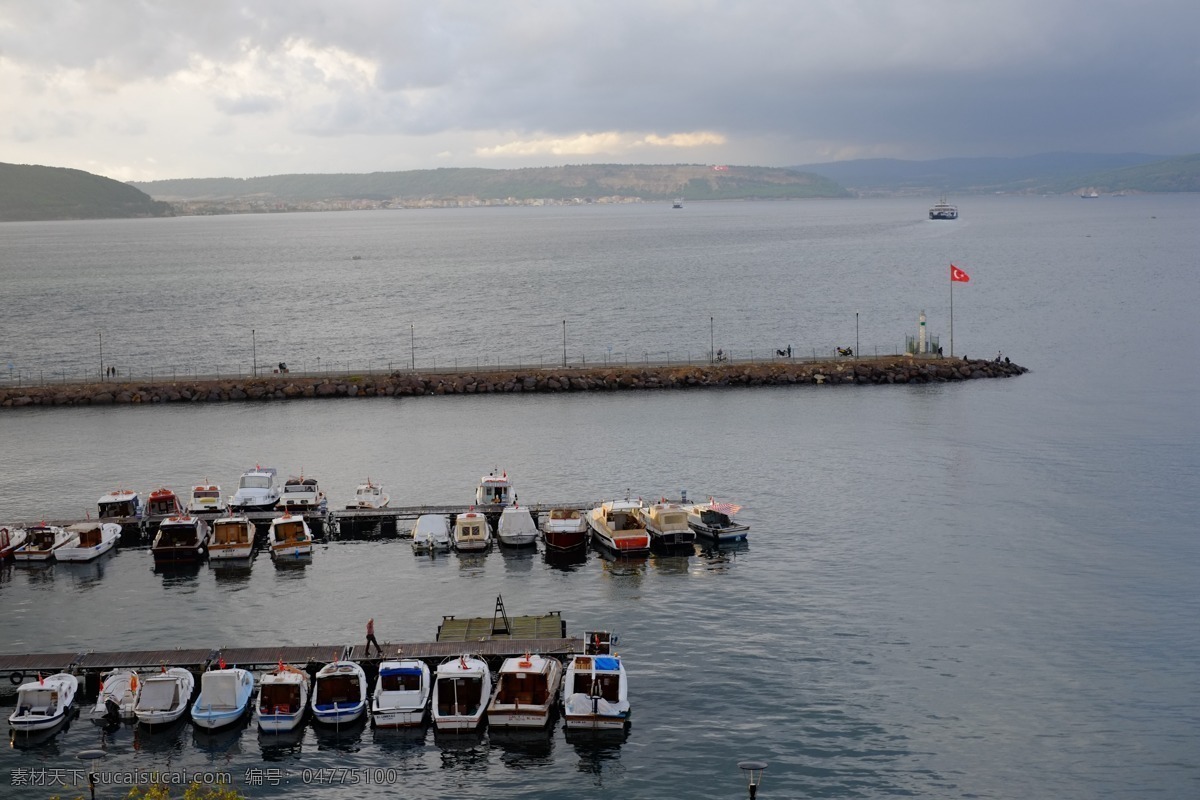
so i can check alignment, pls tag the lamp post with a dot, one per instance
(412, 345)
(856, 354)
(91, 755)
(254, 351)
(753, 770)
(101, 333)
(564, 344)
(712, 353)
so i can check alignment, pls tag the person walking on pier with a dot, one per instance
(371, 640)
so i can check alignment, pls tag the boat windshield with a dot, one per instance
(293, 488)
(177, 536)
(255, 482)
(204, 494)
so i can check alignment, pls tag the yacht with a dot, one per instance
(289, 536)
(282, 699)
(715, 520)
(431, 532)
(495, 490)
(516, 527)
(180, 540)
(461, 690)
(256, 491)
(368, 496)
(595, 688)
(45, 703)
(618, 526)
(565, 529)
(340, 693)
(667, 524)
(89, 540)
(224, 697)
(943, 210)
(120, 504)
(164, 697)
(232, 538)
(471, 532)
(402, 693)
(206, 497)
(163, 502)
(302, 494)
(41, 542)
(527, 689)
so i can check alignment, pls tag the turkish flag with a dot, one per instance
(957, 274)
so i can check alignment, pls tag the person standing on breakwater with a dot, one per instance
(371, 640)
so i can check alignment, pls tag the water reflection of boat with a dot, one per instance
(523, 747)
(566, 560)
(86, 573)
(280, 745)
(343, 738)
(226, 740)
(401, 740)
(45, 742)
(461, 748)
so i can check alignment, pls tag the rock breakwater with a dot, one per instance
(867, 371)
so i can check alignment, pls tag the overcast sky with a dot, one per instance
(208, 88)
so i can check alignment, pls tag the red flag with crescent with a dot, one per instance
(957, 274)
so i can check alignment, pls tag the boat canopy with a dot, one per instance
(220, 689)
(90, 534)
(611, 663)
(158, 694)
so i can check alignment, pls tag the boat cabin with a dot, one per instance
(90, 535)
(470, 527)
(494, 490)
(279, 698)
(459, 695)
(344, 690)
(623, 519)
(564, 514)
(523, 688)
(159, 693)
(259, 479)
(231, 532)
(291, 529)
(206, 495)
(597, 676)
(41, 537)
(162, 503)
(120, 504)
(39, 700)
(300, 492)
(176, 532)
(400, 679)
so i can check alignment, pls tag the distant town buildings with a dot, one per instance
(276, 206)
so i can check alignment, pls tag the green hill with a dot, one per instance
(29, 192)
(1172, 175)
(649, 182)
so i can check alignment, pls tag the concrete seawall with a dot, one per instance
(866, 371)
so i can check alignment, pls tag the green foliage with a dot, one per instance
(29, 192)
(193, 792)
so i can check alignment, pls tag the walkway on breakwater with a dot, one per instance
(571, 378)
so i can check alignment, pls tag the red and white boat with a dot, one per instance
(163, 503)
(618, 526)
(565, 529)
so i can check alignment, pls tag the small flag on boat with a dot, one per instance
(957, 274)
(281, 664)
(41, 680)
(221, 662)
(728, 509)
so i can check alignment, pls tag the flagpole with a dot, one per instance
(952, 311)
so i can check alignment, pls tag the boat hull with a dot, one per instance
(29, 722)
(338, 715)
(212, 720)
(280, 723)
(398, 717)
(565, 540)
(230, 552)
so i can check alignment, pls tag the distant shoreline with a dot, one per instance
(406, 384)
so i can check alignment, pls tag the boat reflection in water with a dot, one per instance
(565, 560)
(343, 738)
(462, 748)
(524, 747)
(599, 751)
(399, 741)
(282, 746)
(226, 740)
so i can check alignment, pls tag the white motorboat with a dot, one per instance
(715, 520)
(224, 697)
(10, 540)
(282, 699)
(667, 524)
(565, 529)
(471, 532)
(340, 695)
(527, 689)
(180, 540)
(595, 688)
(289, 537)
(431, 532)
(516, 527)
(206, 498)
(163, 502)
(89, 540)
(461, 690)
(369, 496)
(120, 504)
(495, 490)
(302, 494)
(256, 491)
(41, 542)
(618, 526)
(45, 703)
(232, 538)
(943, 210)
(402, 693)
(118, 694)
(164, 697)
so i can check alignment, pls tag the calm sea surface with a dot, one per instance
(982, 590)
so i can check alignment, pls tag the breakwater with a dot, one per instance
(400, 384)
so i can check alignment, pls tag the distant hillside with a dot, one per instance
(1040, 174)
(690, 181)
(1172, 175)
(29, 192)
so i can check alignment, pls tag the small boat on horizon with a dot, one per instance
(943, 210)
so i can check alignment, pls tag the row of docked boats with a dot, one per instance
(83, 541)
(187, 539)
(526, 692)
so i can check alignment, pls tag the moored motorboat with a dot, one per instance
(402, 692)
(120, 504)
(282, 699)
(164, 697)
(89, 540)
(302, 494)
(527, 689)
(117, 696)
(667, 524)
(369, 496)
(618, 525)
(495, 490)
(224, 697)
(163, 502)
(232, 538)
(289, 537)
(565, 529)
(45, 703)
(41, 542)
(339, 696)
(516, 527)
(10, 540)
(180, 540)
(461, 689)
(256, 491)
(206, 498)
(471, 532)
(595, 688)
(431, 533)
(715, 521)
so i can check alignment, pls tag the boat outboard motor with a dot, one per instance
(112, 710)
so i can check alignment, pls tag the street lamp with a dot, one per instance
(91, 755)
(412, 344)
(101, 354)
(564, 344)
(856, 353)
(753, 770)
(254, 351)
(712, 353)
